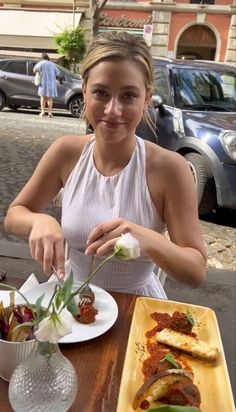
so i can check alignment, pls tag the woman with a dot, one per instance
(114, 183)
(48, 83)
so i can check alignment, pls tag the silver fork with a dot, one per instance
(54, 271)
(86, 294)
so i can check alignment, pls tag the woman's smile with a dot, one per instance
(112, 123)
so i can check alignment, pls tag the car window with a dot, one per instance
(2, 65)
(31, 67)
(229, 85)
(204, 87)
(161, 84)
(16, 67)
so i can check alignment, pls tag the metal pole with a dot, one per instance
(73, 25)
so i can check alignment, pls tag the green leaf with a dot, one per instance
(39, 310)
(175, 408)
(170, 358)
(72, 307)
(67, 287)
(190, 317)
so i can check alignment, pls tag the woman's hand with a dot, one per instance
(102, 239)
(46, 244)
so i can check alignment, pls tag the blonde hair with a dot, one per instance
(120, 45)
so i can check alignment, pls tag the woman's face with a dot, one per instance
(115, 96)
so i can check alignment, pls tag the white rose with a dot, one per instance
(54, 327)
(127, 247)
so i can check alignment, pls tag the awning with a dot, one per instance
(36, 23)
(5, 54)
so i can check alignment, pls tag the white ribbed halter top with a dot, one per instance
(90, 198)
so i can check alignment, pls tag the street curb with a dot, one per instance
(14, 249)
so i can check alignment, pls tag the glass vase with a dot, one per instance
(45, 381)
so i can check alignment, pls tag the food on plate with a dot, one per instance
(173, 386)
(86, 311)
(86, 314)
(168, 376)
(189, 344)
(13, 316)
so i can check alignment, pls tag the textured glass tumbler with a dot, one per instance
(46, 381)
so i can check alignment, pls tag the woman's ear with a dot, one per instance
(84, 90)
(148, 98)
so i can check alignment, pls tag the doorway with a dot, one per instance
(197, 42)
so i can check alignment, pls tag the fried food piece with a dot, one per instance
(180, 323)
(158, 386)
(87, 314)
(189, 344)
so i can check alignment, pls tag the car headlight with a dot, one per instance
(228, 141)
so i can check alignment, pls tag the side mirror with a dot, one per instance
(157, 103)
(61, 77)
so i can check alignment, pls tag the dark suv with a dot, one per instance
(17, 87)
(195, 115)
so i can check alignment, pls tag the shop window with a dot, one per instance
(202, 1)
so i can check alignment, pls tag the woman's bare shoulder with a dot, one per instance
(71, 142)
(66, 151)
(164, 161)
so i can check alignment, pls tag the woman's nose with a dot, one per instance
(113, 107)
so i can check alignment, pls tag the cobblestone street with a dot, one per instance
(24, 137)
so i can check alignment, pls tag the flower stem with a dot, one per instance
(90, 276)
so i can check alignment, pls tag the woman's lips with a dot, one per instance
(112, 124)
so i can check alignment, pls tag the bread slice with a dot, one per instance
(189, 344)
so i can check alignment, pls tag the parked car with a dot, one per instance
(17, 87)
(195, 115)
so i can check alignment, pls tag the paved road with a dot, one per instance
(24, 137)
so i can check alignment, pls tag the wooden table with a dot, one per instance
(98, 362)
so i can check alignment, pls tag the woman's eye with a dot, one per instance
(129, 96)
(100, 93)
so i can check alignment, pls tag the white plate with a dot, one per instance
(104, 302)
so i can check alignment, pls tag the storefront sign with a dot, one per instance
(123, 21)
(147, 33)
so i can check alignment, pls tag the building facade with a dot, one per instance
(195, 29)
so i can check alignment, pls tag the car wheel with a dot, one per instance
(76, 106)
(204, 179)
(2, 101)
(13, 106)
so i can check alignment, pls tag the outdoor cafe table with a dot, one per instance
(98, 362)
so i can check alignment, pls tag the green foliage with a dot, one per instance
(171, 359)
(71, 44)
(175, 408)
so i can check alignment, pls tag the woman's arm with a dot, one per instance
(173, 191)
(36, 67)
(26, 216)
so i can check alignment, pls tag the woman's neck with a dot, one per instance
(110, 158)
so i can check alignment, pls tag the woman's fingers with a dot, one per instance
(102, 247)
(106, 231)
(48, 254)
(102, 239)
(59, 257)
(49, 251)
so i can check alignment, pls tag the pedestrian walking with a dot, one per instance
(48, 87)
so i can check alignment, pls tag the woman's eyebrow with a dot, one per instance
(104, 86)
